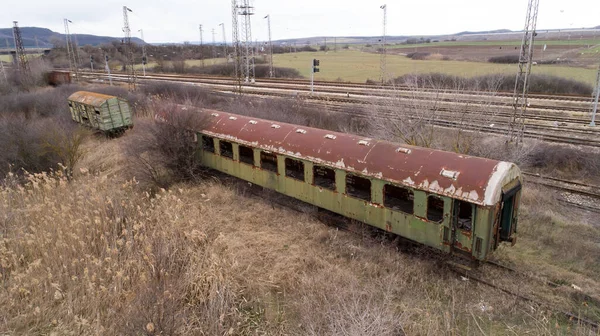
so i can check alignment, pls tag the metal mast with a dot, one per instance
(268, 17)
(235, 43)
(517, 124)
(201, 46)
(214, 46)
(383, 56)
(246, 11)
(224, 42)
(20, 50)
(130, 65)
(68, 42)
(596, 96)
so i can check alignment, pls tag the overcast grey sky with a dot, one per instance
(177, 20)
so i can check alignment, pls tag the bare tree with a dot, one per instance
(424, 112)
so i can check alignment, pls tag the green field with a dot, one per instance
(572, 42)
(357, 66)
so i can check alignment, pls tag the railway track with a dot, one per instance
(538, 103)
(388, 87)
(576, 134)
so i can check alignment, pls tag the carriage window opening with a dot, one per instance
(324, 177)
(397, 198)
(465, 215)
(226, 149)
(208, 144)
(294, 169)
(358, 187)
(268, 161)
(435, 209)
(246, 155)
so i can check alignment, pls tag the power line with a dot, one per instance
(517, 124)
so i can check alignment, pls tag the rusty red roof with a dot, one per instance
(90, 98)
(473, 179)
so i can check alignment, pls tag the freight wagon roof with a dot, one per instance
(473, 179)
(90, 98)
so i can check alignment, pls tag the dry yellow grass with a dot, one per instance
(99, 256)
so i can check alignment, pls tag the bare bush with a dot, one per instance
(415, 116)
(418, 55)
(506, 59)
(42, 103)
(546, 84)
(162, 149)
(227, 69)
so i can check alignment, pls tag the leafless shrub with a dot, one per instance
(418, 55)
(39, 144)
(294, 111)
(546, 84)
(162, 149)
(506, 59)
(414, 116)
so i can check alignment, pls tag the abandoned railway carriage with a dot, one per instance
(456, 203)
(105, 113)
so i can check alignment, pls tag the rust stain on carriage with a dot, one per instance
(444, 173)
(467, 233)
(90, 98)
(461, 247)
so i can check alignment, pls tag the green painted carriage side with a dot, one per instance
(414, 226)
(112, 114)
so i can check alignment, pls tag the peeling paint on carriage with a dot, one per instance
(474, 179)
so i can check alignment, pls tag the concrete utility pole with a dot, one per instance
(268, 17)
(201, 46)
(224, 42)
(517, 124)
(383, 56)
(214, 46)
(3, 72)
(107, 68)
(596, 96)
(144, 59)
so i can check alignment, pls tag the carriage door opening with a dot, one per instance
(462, 222)
(508, 223)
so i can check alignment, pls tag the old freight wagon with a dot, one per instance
(56, 77)
(105, 113)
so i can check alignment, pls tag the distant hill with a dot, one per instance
(46, 37)
(497, 31)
